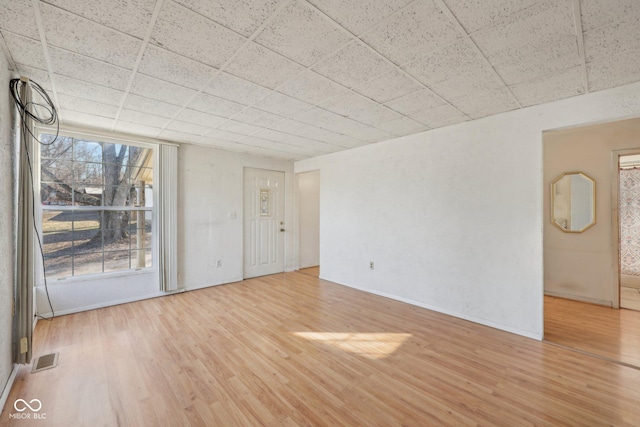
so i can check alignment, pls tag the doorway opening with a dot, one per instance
(629, 230)
(308, 192)
(584, 271)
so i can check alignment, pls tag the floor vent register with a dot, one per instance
(47, 361)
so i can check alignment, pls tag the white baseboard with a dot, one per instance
(140, 298)
(528, 334)
(8, 386)
(579, 298)
(108, 304)
(630, 281)
(208, 285)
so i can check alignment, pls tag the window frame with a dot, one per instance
(40, 208)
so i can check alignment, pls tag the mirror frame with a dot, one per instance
(593, 202)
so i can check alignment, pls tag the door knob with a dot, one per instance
(282, 229)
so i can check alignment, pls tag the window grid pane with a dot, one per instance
(105, 190)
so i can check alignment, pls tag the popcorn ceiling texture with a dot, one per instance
(420, 64)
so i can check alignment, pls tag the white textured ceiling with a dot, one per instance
(294, 79)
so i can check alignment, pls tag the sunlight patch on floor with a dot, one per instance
(369, 345)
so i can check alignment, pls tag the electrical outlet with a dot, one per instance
(371, 265)
(219, 263)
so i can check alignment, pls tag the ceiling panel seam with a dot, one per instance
(253, 149)
(455, 20)
(213, 20)
(577, 19)
(150, 29)
(387, 60)
(267, 21)
(123, 33)
(45, 49)
(272, 149)
(281, 131)
(83, 55)
(347, 89)
(372, 64)
(7, 54)
(275, 89)
(143, 47)
(354, 39)
(90, 20)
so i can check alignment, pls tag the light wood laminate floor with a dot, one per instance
(630, 298)
(595, 329)
(311, 271)
(293, 350)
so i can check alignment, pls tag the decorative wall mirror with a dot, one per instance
(573, 202)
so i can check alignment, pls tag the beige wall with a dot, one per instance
(581, 265)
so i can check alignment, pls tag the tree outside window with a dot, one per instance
(97, 206)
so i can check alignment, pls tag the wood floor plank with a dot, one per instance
(630, 298)
(294, 350)
(604, 331)
(311, 271)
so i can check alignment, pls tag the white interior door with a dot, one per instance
(263, 222)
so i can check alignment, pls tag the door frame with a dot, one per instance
(284, 216)
(615, 221)
(297, 214)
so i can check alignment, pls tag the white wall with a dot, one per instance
(210, 186)
(308, 197)
(86, 293)
(581, 265)
(452, 217)
(6, 226)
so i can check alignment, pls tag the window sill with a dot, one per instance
(100, 276)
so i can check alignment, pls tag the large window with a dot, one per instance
(97, 206)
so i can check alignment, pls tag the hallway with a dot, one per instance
(588, 328)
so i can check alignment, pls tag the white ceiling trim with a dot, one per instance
(577, 19)
(461, 29)
(145, 43)
(45, 48)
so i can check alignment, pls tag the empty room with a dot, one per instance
(319, 212)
